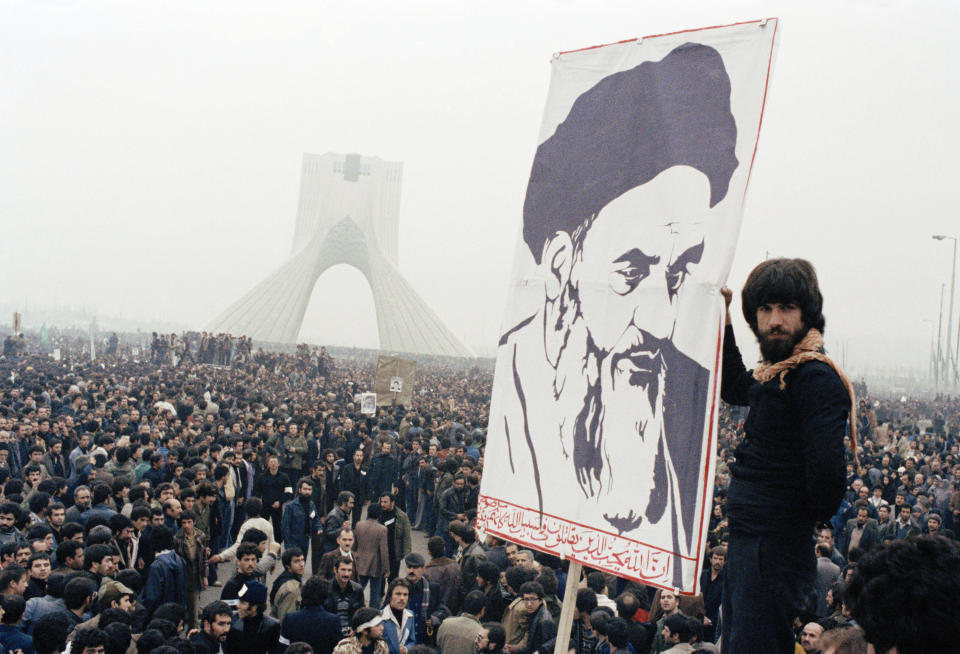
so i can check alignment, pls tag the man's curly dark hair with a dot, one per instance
(904, 594)
(789, 281)
(89, 638)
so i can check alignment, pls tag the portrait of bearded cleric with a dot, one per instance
(617, 218)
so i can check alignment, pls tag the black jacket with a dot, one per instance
(790, 468)
(355, 481)
(272, 488)
(259, 635)
(331, 527)
(314, 625)
(384, 472)
(204, 643)
(343, 602)
(541, 629)
(452, 502)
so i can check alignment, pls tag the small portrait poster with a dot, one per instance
(368, 404)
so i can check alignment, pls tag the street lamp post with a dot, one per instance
(953, 280)
(939, 369)
(933, 360)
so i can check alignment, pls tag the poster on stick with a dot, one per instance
(603, 417)
(368, 404)
(393, 381)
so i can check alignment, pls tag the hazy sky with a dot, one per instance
(150, 151)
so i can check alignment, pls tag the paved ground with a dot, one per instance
(227, 570)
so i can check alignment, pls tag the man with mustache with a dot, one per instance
(600, 398)
(790, 468)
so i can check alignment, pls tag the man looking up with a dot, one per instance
(790, 469)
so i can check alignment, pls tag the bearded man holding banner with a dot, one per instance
(790, 468)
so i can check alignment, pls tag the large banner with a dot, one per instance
(604, 411)
(393, 381)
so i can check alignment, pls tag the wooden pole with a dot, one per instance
(569, 604)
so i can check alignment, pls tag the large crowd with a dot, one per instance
(193, 493)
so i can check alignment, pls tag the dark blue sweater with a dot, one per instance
(790, 467)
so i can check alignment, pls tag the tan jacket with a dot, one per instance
(516, 622)
(352, 646)
(372, 555)
(287, 599)
(459, 635)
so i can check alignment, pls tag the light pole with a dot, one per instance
(953, 281)
(939, 369)
(933, 360)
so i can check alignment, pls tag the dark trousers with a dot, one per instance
(411, 496)
(316, 552)
(376, 590)
(276, 518)
(769, 578)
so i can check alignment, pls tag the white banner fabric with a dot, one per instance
(603, 416)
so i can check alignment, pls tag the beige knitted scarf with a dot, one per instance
(811, 349)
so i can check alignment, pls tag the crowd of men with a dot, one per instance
(129, 482)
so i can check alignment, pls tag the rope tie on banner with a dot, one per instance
(811, 349)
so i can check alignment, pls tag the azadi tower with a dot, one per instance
(348, 213)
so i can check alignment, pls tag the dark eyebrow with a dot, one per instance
(636, 257)
(691, 255)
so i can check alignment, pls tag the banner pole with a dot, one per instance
(566, 612)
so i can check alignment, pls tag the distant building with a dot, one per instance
(348, 213)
